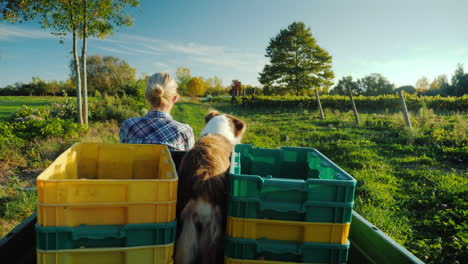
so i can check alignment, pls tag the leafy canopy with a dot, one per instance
(297, 62)
(196, 87)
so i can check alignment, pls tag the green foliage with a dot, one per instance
(183, 77)
(16, 203)
(108, 74)
(113, 108)
(363, 103)
(374, 84)
(409, 89)
(50, 127)
(196, 87)
(297, 62)
(343, 86)
(413, 186)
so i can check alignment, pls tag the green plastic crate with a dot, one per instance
(131, 235)
(271, 250)
(325, 212)
(296, 183)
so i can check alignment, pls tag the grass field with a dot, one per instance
(411, 184)
(9, 104)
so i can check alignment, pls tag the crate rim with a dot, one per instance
(165, 149)
(78, 250)
(231, 170)
(103, 204)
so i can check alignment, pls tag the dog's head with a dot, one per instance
(226, 125)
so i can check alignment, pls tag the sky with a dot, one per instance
(402, 40)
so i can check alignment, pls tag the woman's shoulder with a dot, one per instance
(132, 120)
(182, 125)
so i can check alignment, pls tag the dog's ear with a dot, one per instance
(239, 126)
(210, 115)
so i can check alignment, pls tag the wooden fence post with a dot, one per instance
(319, 104)
(354, 106)
(405, 110)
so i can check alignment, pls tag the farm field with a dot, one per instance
(411, 184)
(10, 104)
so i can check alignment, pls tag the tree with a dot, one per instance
(196, 87)
(109, 75)
(82, 18)
(374, 84)
(406, 88)
(439, 83)
(39, 86)
(459, 85)
(53, 87)
(214, 86)
(344, 84)
(98, 19)
(297, 62)
(422, 84)
(183, 77)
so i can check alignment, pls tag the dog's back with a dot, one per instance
(201, 204)
(202, 170)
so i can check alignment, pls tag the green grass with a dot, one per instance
(412, 185)
(9, 104)
(190, 113)
(15, 204)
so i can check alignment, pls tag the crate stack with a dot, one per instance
(107, 203)
(287, 205)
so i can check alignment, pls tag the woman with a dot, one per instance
(158, 127)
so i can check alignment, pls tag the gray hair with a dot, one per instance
(159, 88)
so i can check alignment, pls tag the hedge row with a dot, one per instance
(365, 103)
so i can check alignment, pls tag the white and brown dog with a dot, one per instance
(201, 205)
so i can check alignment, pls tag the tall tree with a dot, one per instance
(375, 84)
(439, 83)
(459, 85)
(98, 19)
(183, 77)
(297, 62)
(107, 74)
(422, 84)
(82, 18)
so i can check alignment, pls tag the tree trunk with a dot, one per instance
(83, 56)
(76, 59)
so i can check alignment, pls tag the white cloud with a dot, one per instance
(220, 56)
(13, 32)
(115, 50)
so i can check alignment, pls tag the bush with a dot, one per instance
(113, 108)
(30, 129)
(363, 103)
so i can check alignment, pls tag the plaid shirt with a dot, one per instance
(157, 128)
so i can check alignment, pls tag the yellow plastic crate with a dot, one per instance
(105, 214)
(131, 255)
(103, 180)
(287, 230)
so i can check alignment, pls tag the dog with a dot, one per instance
(201, 201)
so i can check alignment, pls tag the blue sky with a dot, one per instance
(403, 40)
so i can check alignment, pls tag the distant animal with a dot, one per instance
(201, 201)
